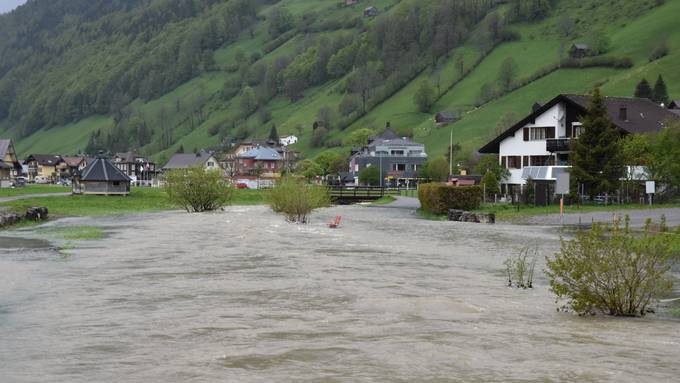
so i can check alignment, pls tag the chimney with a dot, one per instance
(623, 113)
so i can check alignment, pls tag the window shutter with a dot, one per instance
(526, 134)
(550, 132)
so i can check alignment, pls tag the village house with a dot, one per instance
(135, 166)
(579, 51)
(46, 167)
(445, 117)
(538, 146)
(674, 106)
(349, 3)
(10, 167)
(101, 177)
(202, 158)
(76, 164)
(288, 140)
(371, 11)
(398, 158)
(258, 167)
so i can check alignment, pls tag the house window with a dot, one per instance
(541, 160)
(211, 164)
(399, 167)
(397, 152)
(577, 129)
(539, 133)
(514, 162)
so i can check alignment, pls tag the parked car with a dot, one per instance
(42, 180)
(19, 182)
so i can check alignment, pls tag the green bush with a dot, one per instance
(196, 189)
(439, 198)
(612, 270)
(296, 198)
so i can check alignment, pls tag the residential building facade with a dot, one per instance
(46, 167)
(398, 158)
(135, 166)
(10, 167)
(204, 159)
(539, 145)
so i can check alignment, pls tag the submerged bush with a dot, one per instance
(439, 198)
(520, 269)
(196, 189)
(611, 270)
(296, 198)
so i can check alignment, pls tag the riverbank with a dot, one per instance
(140, 200)
(242, 295)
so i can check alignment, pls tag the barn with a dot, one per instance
(101, 177)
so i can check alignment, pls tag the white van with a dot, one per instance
(42, 180)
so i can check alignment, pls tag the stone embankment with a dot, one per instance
(31, 214)
(468, 216)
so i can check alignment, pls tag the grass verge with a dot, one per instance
(73, 233)
(386, 200)
(140, 200)
(33, 189)
(507, 212)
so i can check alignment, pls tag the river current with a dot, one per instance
(243, 296)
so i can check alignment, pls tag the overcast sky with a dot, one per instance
(8, 5)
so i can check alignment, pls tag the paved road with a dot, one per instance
(403, 203)
(637, 217)
(28, 196)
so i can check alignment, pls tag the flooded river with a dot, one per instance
(241, 296)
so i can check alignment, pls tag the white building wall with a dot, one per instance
(516, 146)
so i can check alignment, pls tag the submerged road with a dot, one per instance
(29, 196)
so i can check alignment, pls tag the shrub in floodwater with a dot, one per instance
(612, 270)
(296, 198)
(520, 269)
(196, 189)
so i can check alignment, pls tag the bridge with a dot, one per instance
(353, 194)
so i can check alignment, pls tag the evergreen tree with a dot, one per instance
(660, 92)
(643, 90)
(596, 157)
(180, 149)
(273, 134)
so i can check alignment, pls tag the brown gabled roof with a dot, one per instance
(73, 161)
(643, 116)
(45, 159)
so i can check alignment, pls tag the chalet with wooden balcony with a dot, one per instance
(540, 143)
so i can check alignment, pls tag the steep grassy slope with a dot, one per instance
(634, 30)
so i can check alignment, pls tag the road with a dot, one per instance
(29, 196)
(637, 217)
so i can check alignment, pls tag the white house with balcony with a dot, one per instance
(288, 140)
(538, 146)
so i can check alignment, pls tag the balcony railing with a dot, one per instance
(553, 145)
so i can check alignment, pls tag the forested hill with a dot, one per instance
(165, 75)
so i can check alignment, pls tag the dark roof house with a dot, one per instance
(632, 115)
(102, 177)
(674, 106)
(445, 116)
(189, 160)
(371, 11)
(579, 50)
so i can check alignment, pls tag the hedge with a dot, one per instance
(439, 198)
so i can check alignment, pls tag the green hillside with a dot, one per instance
(288, 71)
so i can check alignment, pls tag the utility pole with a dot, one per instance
(451, 153)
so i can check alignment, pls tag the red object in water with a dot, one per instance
(335, 224)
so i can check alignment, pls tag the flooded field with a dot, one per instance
(241, 296)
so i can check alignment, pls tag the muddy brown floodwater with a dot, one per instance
(241, 296)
